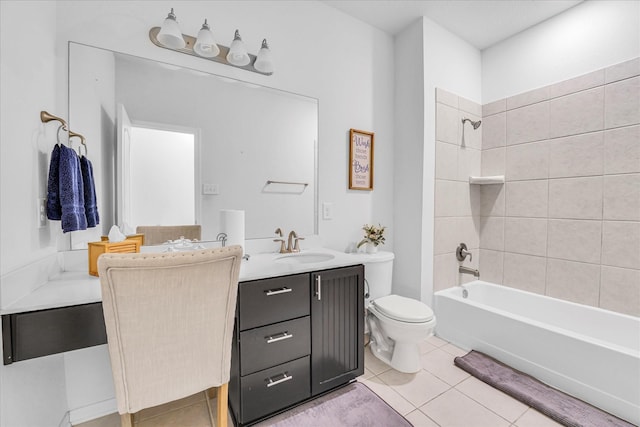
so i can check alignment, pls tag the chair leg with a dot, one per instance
(221, 393)
(207, 395)
(223, 406)
(126, 420)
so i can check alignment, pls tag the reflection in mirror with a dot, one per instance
(167, 159)
(244, 135)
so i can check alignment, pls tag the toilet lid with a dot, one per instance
(403, 309)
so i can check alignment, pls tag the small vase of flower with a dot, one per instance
(373, 237)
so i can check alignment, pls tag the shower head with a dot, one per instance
(475, 125)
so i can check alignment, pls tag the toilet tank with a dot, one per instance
(378, 273)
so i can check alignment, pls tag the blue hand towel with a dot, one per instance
(71, 191)
(90, 204)
(54, 209)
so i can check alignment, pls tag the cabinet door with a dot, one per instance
(337, 327)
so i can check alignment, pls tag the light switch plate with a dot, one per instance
(327, 210)
(210, 189)
(42, 212)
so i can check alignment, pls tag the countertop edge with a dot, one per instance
(71, 288)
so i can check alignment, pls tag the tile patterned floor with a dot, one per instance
(440, 394)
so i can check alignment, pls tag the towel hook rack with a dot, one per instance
(46, 117)
(83, 143)
(58, 134)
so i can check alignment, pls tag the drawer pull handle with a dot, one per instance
(284, 378)
(274, 338)
(277, 291)
(319, 287)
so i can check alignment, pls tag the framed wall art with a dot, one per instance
(360, 160)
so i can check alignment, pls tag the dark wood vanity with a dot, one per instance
(295, 338)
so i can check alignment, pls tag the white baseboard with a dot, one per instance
(65, 421)
(91, 412)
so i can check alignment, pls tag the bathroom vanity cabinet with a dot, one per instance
(298, 332)
(295, 337)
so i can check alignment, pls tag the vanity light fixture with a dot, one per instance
(238, 52)
(170, 34)
(205, 43)
(263, 61)
(204, 46)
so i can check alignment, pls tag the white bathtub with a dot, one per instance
(590, 353)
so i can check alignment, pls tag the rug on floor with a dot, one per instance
(561, 407)
(353, 405)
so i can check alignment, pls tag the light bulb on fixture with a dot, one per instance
(170, 34)
(264, 62)
(205, 43)
(238, 52)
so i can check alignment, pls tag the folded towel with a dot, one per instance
(90, 205)
(71, 191)
(54, 209)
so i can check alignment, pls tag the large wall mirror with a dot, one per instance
(174, 146)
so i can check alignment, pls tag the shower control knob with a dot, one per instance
(462, 253)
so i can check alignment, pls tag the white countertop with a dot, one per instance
(78, 287)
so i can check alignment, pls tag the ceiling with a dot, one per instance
(481, 23)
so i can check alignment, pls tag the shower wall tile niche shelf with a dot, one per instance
(484, 180)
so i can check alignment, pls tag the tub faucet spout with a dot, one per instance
(463, 269)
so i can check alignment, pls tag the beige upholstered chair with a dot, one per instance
(169, 320)
(158, 234)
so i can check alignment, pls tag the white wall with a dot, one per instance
(590, 36)
(427, 56)
(27, 85)
(409, 134)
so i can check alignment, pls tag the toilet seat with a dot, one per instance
(403, 309)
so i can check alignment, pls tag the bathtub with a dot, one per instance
(587, 352)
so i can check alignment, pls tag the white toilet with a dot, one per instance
(396, 324)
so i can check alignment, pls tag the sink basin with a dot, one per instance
(305, 258)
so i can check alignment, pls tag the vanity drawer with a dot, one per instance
(51, 331)
(275, 388)
(266, 301)
(272, 345)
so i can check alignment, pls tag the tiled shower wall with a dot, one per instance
(457, 204)
(567, 221)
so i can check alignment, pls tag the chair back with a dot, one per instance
(159, 234)
(169, 319)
